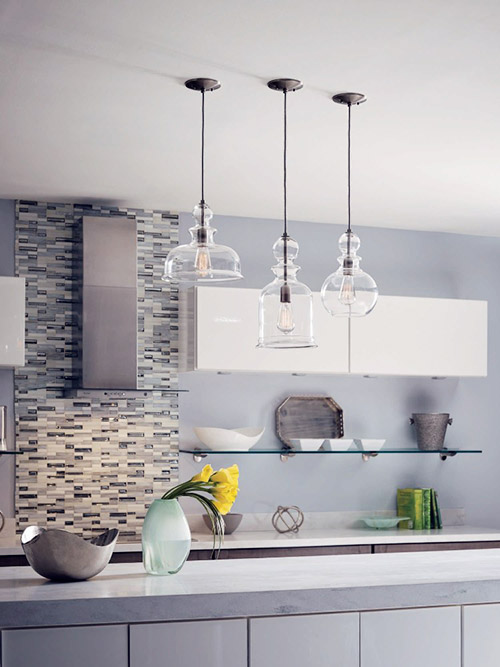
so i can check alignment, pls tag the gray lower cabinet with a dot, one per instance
(95, 646)
(433, 546)
(323, 640)
(481, 638)
(207, 643)
(412, 637)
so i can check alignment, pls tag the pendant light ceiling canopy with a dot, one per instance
(349, 291)
(285, 304)
(202, 260)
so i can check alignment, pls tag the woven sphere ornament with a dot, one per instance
(288, 519)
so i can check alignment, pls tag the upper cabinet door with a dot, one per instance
(220, 332)
(418, 336)
(12, 322)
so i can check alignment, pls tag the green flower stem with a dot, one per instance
(180, 489)
(197, 490)
(215, 519)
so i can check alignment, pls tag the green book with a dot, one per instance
(438, 511)
(434, 517)
(410, 503)
(426, 508)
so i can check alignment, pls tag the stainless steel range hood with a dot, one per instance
(109, 310)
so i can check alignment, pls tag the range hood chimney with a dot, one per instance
(109, 311)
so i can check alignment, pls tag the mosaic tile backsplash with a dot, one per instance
(93, 463)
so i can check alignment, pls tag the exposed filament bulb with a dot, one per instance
(202, 262)
(347, 294)
(285, 318)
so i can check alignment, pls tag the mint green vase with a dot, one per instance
(166, 538)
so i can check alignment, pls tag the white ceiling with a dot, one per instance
(92, 106)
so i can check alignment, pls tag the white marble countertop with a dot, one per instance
(347, 536)
(124, 593)
(318, 537)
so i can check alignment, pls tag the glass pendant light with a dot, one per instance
(202, 260)
(350, 291)
(285, 305)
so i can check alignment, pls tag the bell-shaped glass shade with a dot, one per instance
(286, 306)
(202, 260)
(349, 292)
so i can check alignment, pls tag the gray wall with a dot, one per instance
(7, 464)
(403, 263)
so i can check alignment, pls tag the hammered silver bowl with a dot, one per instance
(62, 556)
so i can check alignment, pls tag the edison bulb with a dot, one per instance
(347, 294)
(285, 318)
(202, 261)
(349, 291)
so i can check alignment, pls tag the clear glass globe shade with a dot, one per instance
(349, 295)
(202, 260)
(283, 325)
(190, 263)
(286, 322)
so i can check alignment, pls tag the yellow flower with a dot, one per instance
(204, 475)
(226, 475)
(226, 488)
(223, 508)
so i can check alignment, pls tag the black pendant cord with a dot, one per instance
(202, 158)
(285, 220)
(349, 180)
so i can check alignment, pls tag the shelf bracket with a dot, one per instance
(366, 456)
(443, 457)
(199, 456)
(284, 456)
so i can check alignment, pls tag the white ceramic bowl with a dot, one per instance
(235, 439)
(384, 522)
(338, 444)
(307, 444)
(371, 445)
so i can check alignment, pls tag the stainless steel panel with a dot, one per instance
(111, 394)
(109, 337)
(109, 252)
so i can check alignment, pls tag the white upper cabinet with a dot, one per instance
(416, 336)
(219, 332)
(12, 322)
(402, 336)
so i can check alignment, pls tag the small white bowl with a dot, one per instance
(307, 444)
(235, 439)
(338, 444)
(371, 445)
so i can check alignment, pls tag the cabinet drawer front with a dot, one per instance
(323, 640)
(204, 643)
(99, 646)
(411, 638)
(481, 639)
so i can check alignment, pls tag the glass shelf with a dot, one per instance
(285, 454)
(10, 451)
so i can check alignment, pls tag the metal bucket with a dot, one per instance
(431, 429)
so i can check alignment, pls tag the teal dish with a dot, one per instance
(384, 522)
(166, 538)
